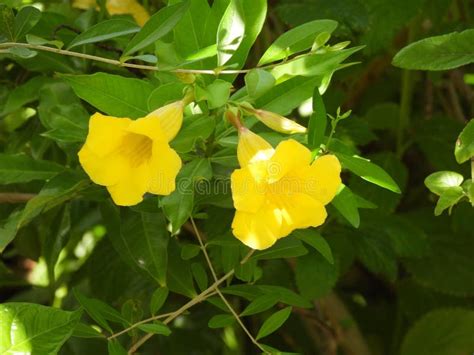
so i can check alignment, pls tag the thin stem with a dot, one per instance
(199, 298)
(215, 72)
(214, 275)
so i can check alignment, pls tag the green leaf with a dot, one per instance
(39, 41)
(443, 52)
(194, 128)
(86, 331)
(7, 20)
(368, 171)
(346, 203)
(221, 321)
(318, 121)
(464, 149)
(21, 168)
(450, 197)
(99, 311)
(158, 299)
(441, 332)
(314, 64)
(189, 251)
(140, 238)
(258, 82)
(113, 94)
(27, 328)
(314, 239)
(178, 206)
(24, 94)
(442, 181)
(284, 248)
(274, 322)
(315, 276)
(448, 256)
(260, 304)
(155, 328)
(22, 52)
(238, 30)
(200, 275)
(115, 348)
(165, 94)
(53, 244)
(216, 94)
(285, 97)
(104, 31)
(25, 20)
(157, 27)
(296, 40)
(180, 279)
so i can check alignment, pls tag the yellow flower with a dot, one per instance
(279, 190)
(278, 123)
(132, 157)
(118, 7)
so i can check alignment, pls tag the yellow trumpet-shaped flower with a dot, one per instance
(279, 190)
(132, 157)
(118, 7)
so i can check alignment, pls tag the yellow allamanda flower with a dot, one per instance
(279, 190)
(133, 157)
(118, 7)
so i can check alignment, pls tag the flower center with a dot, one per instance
(136, 148)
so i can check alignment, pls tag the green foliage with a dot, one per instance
(382, 275)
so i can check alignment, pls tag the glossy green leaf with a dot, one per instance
(27, 328)
(258, 82)
(368, 171)
(443, 52)
(158, 299)
(464, 149)
(284, 248)
(200, 275)
(7, 19)
(113, 94)
(317, 122)
(189, 251)
(296, 40)
(165, 94)
(24, 94)
(221, 321)
(346, 203)
(194, 128)
(315, 276)
(275, 321)
(104, 31)
(21, 168)
(179, 277)
(178, 206)
(99, 311)
(155, 328)
(441, 332)
(314, 239)
(442, 181)
(140, 238)
(449, 198)
(260, 304)
(156, 27)
(25, 20)
(115, 348)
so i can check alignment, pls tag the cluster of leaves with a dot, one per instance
(382, 276)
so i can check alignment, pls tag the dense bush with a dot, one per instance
(237, 177)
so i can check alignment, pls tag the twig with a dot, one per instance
(15, 197)
(214, 275)
(199, 298)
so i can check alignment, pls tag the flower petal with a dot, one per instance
(289, 155)
(132, 186)
(170, 118)
(164, 166)
(252, 148)
(106, 133)
(105, 170)
(325, 171)
(148, 126)
(257, 230)
(247, 193)
(300, 211)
